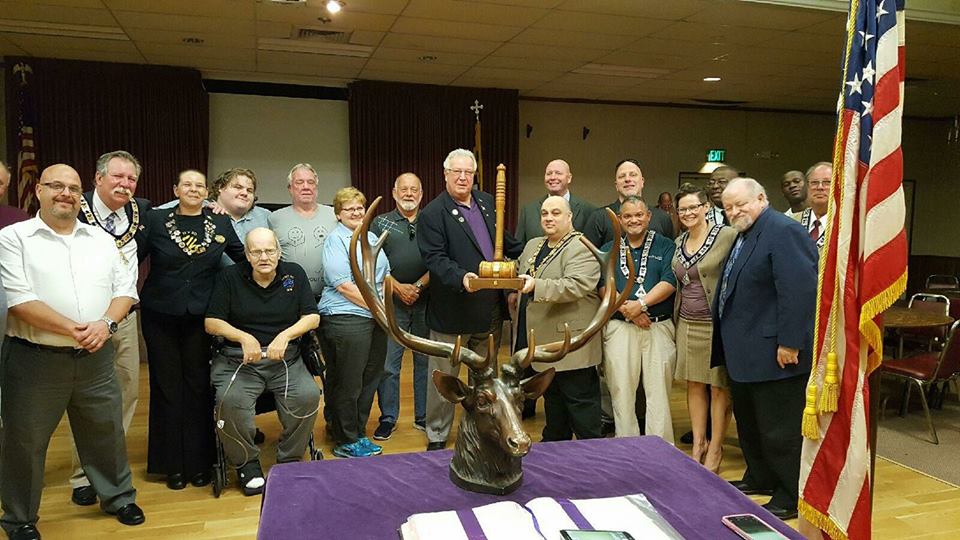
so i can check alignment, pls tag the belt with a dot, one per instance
(72, 351)
(653, 318)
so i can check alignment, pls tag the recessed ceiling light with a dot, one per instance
(427, 58)
(334, 6)
(711, 79)
(193, 40)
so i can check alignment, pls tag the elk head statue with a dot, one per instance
(491, 441)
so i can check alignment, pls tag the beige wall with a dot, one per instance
(669, 140)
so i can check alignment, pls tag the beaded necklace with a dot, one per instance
(552, 254)
(642, 271)
(195, 249)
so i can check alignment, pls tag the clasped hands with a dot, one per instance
(252, 351)
(91, 336)
(406, 292)
(632, 311)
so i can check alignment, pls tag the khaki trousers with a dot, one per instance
(126, 363)
(632, 355)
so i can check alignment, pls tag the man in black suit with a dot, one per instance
(762, 333)
(557, 178)
(112, 207)
(455, 233)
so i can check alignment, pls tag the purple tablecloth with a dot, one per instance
(369, 498)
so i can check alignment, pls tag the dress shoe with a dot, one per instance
(782, 513)
(25, 532)
(201, 479)
(84, 496)
(130, 514)
(687, 438)
(259, 437)
(749, 489)
(176, 481)
(436, 445)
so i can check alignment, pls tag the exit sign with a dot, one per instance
(716, 155)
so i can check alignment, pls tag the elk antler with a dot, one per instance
(552, 352)
(365, 278)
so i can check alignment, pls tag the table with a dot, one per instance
(903, 317)
(369, 498)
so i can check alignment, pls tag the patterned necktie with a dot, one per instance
(110, 223)
(726, 273)
(815, 231)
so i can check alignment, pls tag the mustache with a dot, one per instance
(123, 191)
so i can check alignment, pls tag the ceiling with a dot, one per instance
(767, 55)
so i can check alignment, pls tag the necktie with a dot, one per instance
(815, 231)
(110, 223)
(726, 273)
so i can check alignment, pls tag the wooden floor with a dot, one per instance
(907, 504)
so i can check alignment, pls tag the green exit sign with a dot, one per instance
(716, 154)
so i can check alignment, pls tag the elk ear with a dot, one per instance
(537, 385)
(451, 388)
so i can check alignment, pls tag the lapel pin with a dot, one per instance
(455, 212)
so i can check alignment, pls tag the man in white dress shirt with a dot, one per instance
(819, 177)
(66, 284)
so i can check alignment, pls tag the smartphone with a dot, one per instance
(576, 534)
(750, 527)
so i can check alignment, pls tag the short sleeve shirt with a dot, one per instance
(658, 263)
(301, 239)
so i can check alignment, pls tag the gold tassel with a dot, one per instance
(831, 387)
(810, 427)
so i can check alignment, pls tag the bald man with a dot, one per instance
(59, 355)
(557, 179)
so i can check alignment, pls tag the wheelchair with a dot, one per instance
(313, 361)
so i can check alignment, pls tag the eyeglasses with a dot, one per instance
(354, 210)
(258, 253)
(60, 186)
(689, 209)
(461, 172)
(820, 183)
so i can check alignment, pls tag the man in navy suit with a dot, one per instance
(455, 233)
(762, 333)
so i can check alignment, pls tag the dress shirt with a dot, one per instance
(77, 275)
(121, 223)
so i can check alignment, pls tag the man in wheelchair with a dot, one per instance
(261, 308)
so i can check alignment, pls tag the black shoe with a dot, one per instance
(687, 438)
(749, 489)
(176, 481)
(24, 532)
(529, 409)
(201, 479)
(84, 496)
(130, 514)
(436, 445)
(384, 431)
(259, 437)
(607, 428)
(782, 513)
(250, 478)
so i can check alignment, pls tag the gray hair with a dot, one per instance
(815, 166)
(304, 166)
(460, 152)
(754, 187)
(104, 160)
(633, 199)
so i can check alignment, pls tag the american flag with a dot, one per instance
(28, 171)
(862, 272)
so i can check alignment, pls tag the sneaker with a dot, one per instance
(352, 450)
(384, 431)
(374, 449)
(420, 424)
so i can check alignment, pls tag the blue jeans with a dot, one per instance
(413, 320)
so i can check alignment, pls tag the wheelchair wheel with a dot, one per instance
(219, 479)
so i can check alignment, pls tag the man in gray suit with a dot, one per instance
(557, 179)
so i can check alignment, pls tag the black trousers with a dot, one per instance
(571, 405)
(769, 415)
(355, 349)
(181, 439)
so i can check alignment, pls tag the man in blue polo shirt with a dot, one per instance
(638, 342)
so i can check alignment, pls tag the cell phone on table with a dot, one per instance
(750, 527)
(576, 534)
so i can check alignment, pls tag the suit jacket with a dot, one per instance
(770, 301)
(528, 225)
(565, 292)
(135, 221)
(450, 250)
(709, 267)
(181, 284)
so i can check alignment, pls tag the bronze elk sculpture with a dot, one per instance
(491, 441)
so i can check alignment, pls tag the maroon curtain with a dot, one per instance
(84, 109)
(396, 128)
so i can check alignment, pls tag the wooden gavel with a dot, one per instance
(498, 273)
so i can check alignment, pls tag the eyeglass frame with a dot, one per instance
(74, 190)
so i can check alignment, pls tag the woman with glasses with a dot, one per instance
(354, 346)
(698, 265)
(185, 244)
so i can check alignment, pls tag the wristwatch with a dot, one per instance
(111, 325)
(418, 285)
(643, 305)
